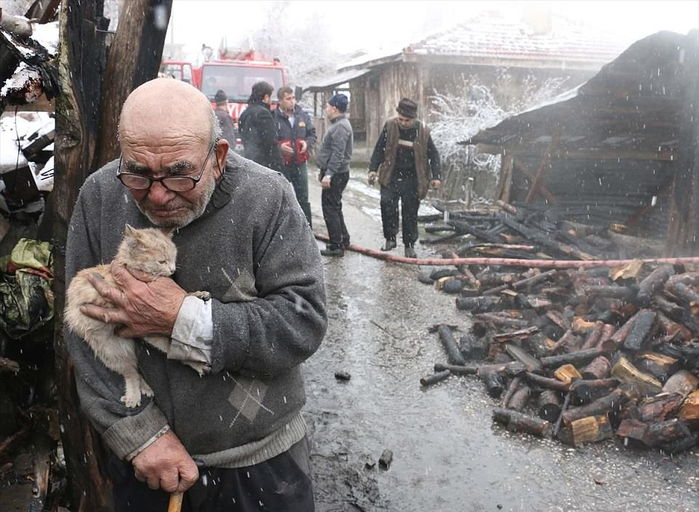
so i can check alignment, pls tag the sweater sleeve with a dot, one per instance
(311, 136)
(269, 139)
(285, 324)
(377, 156)
(100, 389)
(433, 158)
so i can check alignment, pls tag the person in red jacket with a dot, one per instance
(297, 136)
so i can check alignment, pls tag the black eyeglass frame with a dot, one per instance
(163, 180)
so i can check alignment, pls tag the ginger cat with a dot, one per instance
(147, 250)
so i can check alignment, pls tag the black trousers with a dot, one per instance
(282, 483)
(331, 200)
(403, 190)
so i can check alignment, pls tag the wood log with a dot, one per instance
(545, 239)
(500, 320)
(511, 388)
(598, 368)
(590, 429)
(483, 304)
(666, 432)
(608, 331)
(645, 384)
(519, 398)
(585, 391)
(634, 429)
(434, 378)
(549, 406)
(515, 421)
(456, 369)
(682, 382)
(593, 337)
(673, 329)
(494, 381)
(489, 279)
(685, 293)
(659, 407)
(653, 283)
(612, 291)
(619, 336)
(640, 331)
(581, 325)
(516, 335)
(473, 347)
(534, 280)
(567, 373)
(545, 382)
(658, 365)
(558, 319)
(673, 310)
(519, 354)
(680, 445)
(600, 406)
(689, 411)
(574, 358)
(450, 347)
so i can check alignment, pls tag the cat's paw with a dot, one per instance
(202, 295)
(131, 399)
(200, 368)
(145, 388)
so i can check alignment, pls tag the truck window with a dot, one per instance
(237, 81)
(177, 71)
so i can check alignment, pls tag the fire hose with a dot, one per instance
(519, 262)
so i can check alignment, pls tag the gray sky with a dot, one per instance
(371, 25)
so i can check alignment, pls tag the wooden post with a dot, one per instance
(78, 119)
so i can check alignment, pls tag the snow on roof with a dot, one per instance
(494, 36)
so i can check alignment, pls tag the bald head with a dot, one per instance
(168, 109)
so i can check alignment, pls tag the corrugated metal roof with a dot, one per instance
(493, 36)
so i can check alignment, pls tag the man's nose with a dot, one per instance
(158, 194)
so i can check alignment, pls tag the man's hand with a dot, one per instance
(165, 464)
(436, 184)
(303, 146)
(285, 147)
(140, 308)
(325, 182)
(372, 177)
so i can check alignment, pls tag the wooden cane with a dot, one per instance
(175, 503)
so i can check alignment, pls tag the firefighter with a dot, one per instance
(258, 130)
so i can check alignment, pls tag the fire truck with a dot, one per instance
(233, 72)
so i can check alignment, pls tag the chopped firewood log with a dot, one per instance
(658, 365)
(590, 429)
(612, 291)
(516, 335)
(582, 326)
(666, 432)
(598, 368)
(640, 331)
(549, 405)
(671, 309)
(673, 329)
(630, 428)
(559, 319)
(645, 384)
(434, 378)
(530, 362)
(653, 283)
(685, 293)
(473, 347)
(546, 382)
(456, 369)
(689, 411)
(608, 331)
(483, 304)
(574, 358)
(534, 280)
(511, 389)
(450, 346)
(493, 380)
(585, 391)
(593, 337)
(620, 335)
(519, 398)
(515, 421)
(681, 382)
(603, 405)
(659, 407)
(567, 341)
(500, 320)
(490, 278)
(567, 373)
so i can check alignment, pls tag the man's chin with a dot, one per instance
(169, 218)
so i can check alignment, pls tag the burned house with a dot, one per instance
(618, 151)
(509, 56)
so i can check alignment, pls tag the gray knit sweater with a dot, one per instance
(252, 242)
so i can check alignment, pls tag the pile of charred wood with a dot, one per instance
(583, 355)
(523, 232)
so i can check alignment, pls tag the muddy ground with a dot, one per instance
(447, 455)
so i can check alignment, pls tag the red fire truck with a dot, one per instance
(233, 72)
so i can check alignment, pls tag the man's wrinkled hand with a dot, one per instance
(436, 184)
(139, 308)
(165, 464)
(286, 148)
(373, 175)
(325, 182)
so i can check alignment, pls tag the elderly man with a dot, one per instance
(242, 237)
(409, 164)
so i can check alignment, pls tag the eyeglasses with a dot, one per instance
(136, 181)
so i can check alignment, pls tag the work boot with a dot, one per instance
(333, 251)
(410, 251)
(389, 244)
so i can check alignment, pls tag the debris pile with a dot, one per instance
(581, 354)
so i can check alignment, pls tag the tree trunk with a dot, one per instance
(78, 118)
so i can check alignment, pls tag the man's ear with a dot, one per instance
(221, 152)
